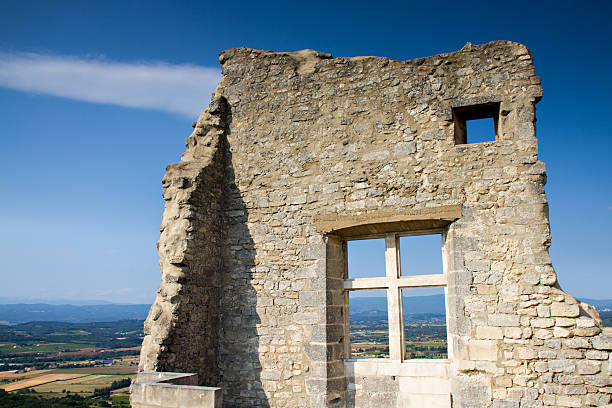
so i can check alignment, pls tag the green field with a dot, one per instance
(83, 385)
(41, 345)
(422, 338)
(26, 347)
(114, 370)
(90, 387)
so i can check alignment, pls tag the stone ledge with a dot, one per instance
(172, 390)
(407, 368)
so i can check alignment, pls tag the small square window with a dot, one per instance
(476, 123)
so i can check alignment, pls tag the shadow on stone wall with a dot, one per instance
(239, 341)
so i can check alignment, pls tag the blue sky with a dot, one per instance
(98, 97)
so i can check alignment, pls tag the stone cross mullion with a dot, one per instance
(394, 304)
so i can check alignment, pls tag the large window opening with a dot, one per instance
(396, 302)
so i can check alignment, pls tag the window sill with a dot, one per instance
(385, 367)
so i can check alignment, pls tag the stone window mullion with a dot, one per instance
(394, 304)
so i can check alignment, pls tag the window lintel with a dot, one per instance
(381, 222)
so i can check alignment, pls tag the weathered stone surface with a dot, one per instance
(564, 309)
(488, 332)
(602, 342)
(297, 152)
(596, 355)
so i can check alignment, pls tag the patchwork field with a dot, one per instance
(14, 376)
(83, 381)
(38, 380)
(112, 370)
(81, 365)
(40, 347)
(84, 385)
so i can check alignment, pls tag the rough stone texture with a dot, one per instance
(250, 297)
(172, 390)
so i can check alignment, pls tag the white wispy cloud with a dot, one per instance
(182, 89)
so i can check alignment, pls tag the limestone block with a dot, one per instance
(564, 322)
(570, 353)
(503, 320)
(421, 400)
(598, 399)
(274, 375)
(513, 332)
(542, 323)
(602, 342)
(575, 390)
(549, 400)
(543, 311)
(577, 343)
(564, 310)
(543, 334)
(525, 353)
(531, 404)
(547, 354)
(561, 332)
(585, 322)
(586, 331)
(483, 350)
(570, 379)
(561, 366)
(588, 367)
(568, 401)
(424, 385)
(505, 404)
(596, 355)
(489, 333)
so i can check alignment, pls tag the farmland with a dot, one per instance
(92, 386)
(68, 364)
(42, 345)
(424, 336)
(82, 380)
(36, 380)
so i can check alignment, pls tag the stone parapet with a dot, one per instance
(172, 390)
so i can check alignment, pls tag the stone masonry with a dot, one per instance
(298, 151)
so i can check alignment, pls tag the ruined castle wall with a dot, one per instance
(302, 135)
(181, 330)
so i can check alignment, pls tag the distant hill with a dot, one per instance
(42, 312)
(431, 304)
(412, 305)
(372, 306)
(13, 300)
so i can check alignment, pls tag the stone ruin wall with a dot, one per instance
(248, 298)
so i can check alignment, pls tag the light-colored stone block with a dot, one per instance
(564, 310)
(489, 333)
(486, 350)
